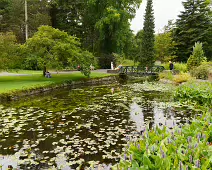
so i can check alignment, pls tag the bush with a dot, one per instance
(180, 78)
(166, 75)
(184, 148)
(197, 56)
(202, 72)
(182, 67)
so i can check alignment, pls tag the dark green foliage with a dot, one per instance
(194, 24)
(135, 50)
(68, 16)
(8, 51)
(13, 17)
(3, 5)
(105, 60)
(147, 54)
(102, 26)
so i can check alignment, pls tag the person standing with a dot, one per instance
(171, 65)
(112, 68)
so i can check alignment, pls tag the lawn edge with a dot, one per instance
(16, 94)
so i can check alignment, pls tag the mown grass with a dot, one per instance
(12, 83)
(18, 71)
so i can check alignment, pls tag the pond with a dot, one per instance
(82, 127)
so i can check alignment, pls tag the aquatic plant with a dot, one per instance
(183, 148)
(151, 86)
(196, 93)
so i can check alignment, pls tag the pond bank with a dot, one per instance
(14, 95)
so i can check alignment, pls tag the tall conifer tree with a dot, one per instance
(194, 24)
(147, 55)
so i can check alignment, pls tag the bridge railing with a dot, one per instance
(139, 69)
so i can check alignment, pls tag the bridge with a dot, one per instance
(140, 71)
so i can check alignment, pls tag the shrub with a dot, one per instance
(197, 56)
(192, 62)
(182, 67)
(183, 148)
(180, 78)
(166, 75)
(202, 72)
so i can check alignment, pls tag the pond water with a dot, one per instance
(78, 128)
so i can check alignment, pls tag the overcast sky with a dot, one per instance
(164, 10)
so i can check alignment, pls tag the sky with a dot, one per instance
(164, 10)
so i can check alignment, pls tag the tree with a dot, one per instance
(135, 46)
(164, 44)
(8, 47)
(13, 18)
(68, 15)
(147, 54)
(56, 49)
(194, 24)
(102, 25)
(3, 5)
(197, 56)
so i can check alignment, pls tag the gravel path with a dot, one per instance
(12, 74)
(60, 72)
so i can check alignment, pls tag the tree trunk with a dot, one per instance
(44, 71)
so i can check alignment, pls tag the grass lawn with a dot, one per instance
(25, 71)
(11, 83)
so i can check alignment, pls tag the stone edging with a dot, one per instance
(39, 90)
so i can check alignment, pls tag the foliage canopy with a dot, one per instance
(193, 25)
(147, 54)
(56, 49)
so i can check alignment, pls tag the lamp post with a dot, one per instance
(26, 20)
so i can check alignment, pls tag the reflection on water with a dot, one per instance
(136, 114)
(79, 127)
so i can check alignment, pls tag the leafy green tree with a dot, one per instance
(113, 24)
(8, 47)
(147, 54)
(56, 49)
(102, 25)
(135, 46)
(197, 56)
(164, 45)
(193, 25)
(110, 27)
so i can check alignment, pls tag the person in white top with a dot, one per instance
(112, 68)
